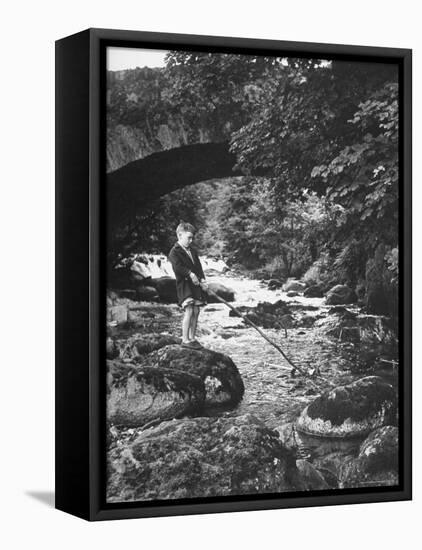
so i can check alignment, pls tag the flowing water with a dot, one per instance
(272, 392)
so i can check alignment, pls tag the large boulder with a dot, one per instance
(166, 288)
(351, 410)
(294, 285)
(222, 291)
(201, 457)
(340, 294)
(219, 375)
(138, 395)
(377, 463)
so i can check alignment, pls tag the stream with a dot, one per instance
(272, 393)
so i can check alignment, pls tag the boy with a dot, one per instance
(189, 282)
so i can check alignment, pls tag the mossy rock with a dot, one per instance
(202, 457)
(377, 463)
(351, 410)
(220, 376)
(138, 395)
(147, 343)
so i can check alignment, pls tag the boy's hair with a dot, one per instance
(185, 227)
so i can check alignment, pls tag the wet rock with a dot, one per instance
(348, 326)
(377, 462)
(268, 315)
(351, 410)
(202, 457)
(307, 321)
(292, 284)
(146, 343)
(226, 334)
(147, 293)
(381, 448)
(304, 307)
(279, 308)
(292, 293)
(339, 318)
(220, 376)
(274, 284)
(340, 294)
(314, 291)
(166, 289)
(222, 291)
(138, 395)
(312, 479)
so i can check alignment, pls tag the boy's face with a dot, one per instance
(185, 238)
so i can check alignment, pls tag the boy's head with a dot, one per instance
(185, 233)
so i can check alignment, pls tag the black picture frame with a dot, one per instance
(80, 285)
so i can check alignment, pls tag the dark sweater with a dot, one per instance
(182, 266)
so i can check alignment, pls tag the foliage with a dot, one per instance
(325, 133)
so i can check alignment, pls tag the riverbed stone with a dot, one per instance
(340, 294)
(137, 395)
(221, 290)
(293, 284)
(377, 462)
(166, 289)
(314, 291)
(345, 325)
(219, 375)
(268, 315)
(292, 293)
(147, 293)
(351, 410)
(202, 457)
(274, 284)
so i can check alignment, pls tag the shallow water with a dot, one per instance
(272, 393)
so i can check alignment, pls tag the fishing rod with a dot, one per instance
(253, 325)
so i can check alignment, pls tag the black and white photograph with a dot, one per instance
(252, 275)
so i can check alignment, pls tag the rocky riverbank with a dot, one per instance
(191, 401)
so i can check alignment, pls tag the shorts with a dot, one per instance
(192, 302)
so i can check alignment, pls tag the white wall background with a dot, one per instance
(29, 30)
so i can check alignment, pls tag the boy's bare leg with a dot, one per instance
(193, 323)
(186, 323)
